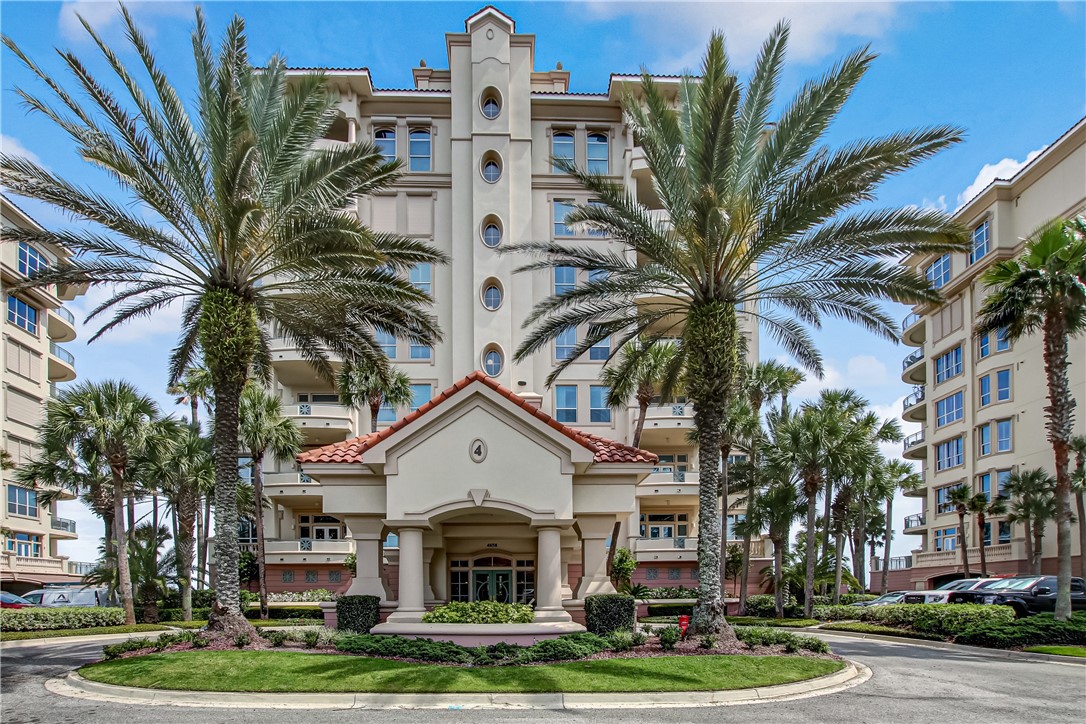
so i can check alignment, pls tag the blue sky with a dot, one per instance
(1012, 74)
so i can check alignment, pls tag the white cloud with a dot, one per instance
(990, 172)
(166, 321)
(13, 147)
(816, 27)
(102, 16)
(865, 370)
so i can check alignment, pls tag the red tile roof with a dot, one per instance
(351, 451)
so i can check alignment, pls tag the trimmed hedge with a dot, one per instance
(940, 619)
(480, 612)
(671, 609)
(564, 648)
(609, 612)
(277, 613)
(1039, 629)
(874, 628)
(176, 614)
(765, 636)
(202, 598)
(762, 605)
(317, 595)
(846, 599)
(357, 613)
(46, 619)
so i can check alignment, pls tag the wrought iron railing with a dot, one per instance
(919, 520)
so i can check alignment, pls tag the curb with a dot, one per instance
(947, 646)
(90, 639)
(74, 685)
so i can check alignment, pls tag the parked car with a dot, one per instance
(10, 600)
(942, 593)
(69, 596)
(883, 600)
(1027, 595)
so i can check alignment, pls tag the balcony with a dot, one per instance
(914, 407)
(303, 550)
(321, 424)
(914, 523)
(913, 369)
(64, 525)
(921, 492)
(80, 568)
(665, 425)
(992, 554)
(61, 364)
(292, 489)
(912, 330)
(897, 563)
(666, 549)
(61, 325)
(671, 483)
(914, 447)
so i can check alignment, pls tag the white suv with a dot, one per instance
(942, 593)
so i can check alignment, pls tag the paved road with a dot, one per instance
(910, 684)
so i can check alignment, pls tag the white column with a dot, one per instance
(366, 533)
(277, 522)
(548, 577)
(594, 532)
(439, 566)
(412, 584)
(427, 560)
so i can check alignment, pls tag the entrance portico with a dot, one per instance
(490, 498)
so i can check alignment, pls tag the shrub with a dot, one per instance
(623, 565)
(620, 640)
(836, 613)
(350, 562)
(669, 636)
(114, 650)
(1039, 629)
(311, 638)
(639, 638)
(199, 642)
(846, 599)
(707, 642)
(398, 647)
(276, 638)
(761, 605)
(609, 612)
(242, 640)
(765, 636)
(480, 612)
(563, 648)
(176, 614)
(671, 609)
(874, 628)
(45, 619)
(317, 595)
(666, 592)
(940, 619)
(357, 613)
(285, 612)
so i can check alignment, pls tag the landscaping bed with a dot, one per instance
(740, 621)
(258, 623)
(296, 671)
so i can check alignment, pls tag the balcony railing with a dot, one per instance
(65, 524)
(62, 354)
(910, 319)
(897, 563)
(912, 440)
(667, 544)
(916, 521)
(912, 359)
(80, 568)
(65, 315)
(914, 399)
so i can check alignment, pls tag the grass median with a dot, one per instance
(65, 632)
(871, 628)
(287, 671)
(1076, 651)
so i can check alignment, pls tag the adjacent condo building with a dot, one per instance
(489, 484)
(33, 362)
(981, 398)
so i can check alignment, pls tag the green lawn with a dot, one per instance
(62, 632)
(871, 628)
(290, 671)
(740, 621)
(1077, 651)
(257, 622)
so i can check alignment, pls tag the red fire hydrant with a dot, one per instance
(684, 623)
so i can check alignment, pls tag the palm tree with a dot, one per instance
(959, 497)
(901, 476)
(774, 510)
(1033, 504)
(183, 473)
(264, 428)
(754, 219)
(249, 227)
(122, 427)
(373, 387)
(149, 575)
(1078, 447)
(981, 507)
(194, 387)
(1044, 290)
(638, 375)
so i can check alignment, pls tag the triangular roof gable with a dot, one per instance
(354, 451)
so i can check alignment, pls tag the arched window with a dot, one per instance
(562, 147)
(385, 140)
(597, 153)
(419, 147)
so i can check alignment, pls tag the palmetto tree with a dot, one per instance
(639, 375)
(193, 388)
(755, 219)
(1044, 291)
(373, 386)
(1078, 447)
(983, 508)
(242, 220)
(959, 497)
(1032, 504)
(900, 476)
(148, 574)
(774, 509)
(264, 429)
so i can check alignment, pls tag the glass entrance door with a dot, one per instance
(492, 586)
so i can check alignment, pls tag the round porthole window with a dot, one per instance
(491, 104)
(492, 297)
(492, 171)
(493, 362)
(492, 234)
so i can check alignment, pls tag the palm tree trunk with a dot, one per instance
(744, 572)
(724, 522)
(131, 514)
(886, 545)
(861, 559)
(124, 575)
(778, 567)
(258, 495)
(964, 545)
(194, 407)
(188, 513)
(642, 412)
(1028, 541)
(839, 543)
(827, 514)
(1060, 414)
(811, 491)
(1080, 499)
(980, 544)
(375, 410)
(1038, 546)
(205, 543)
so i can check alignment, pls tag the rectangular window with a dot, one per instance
(981, 242)
(600, 350)
(597, 153)
(948, 454)
(421, 351)
(1003, 477)
(948, 365)
(460, 589)
(1002, 342)
(31, 261)
(949, 409)
(27, 545)
(562, 208)
(565, 279)
(984, 482)
(984, 440)
(385, 140)
(596, 232)
(1003, 436)
(938, 272)
(985, 390)
(421, 277)
(1004, 532)
(561, 148)
(565, 344)
(1003, 385)
(419, 148)
(984, 348)
(387, 342)
(22, 501)
(988, 533)
(386, 412)
(22, 314)
(942, 499)
(525, 586)
(420, 395)
(565, 403)
(946, 539)
(598, 409)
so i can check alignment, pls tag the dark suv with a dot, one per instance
(1025, 594)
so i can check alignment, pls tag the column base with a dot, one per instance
(399, 616)
(552, 615)
(368, 587)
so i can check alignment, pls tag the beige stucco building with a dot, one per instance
(476, 139)
(981, 399)
(34, 362)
